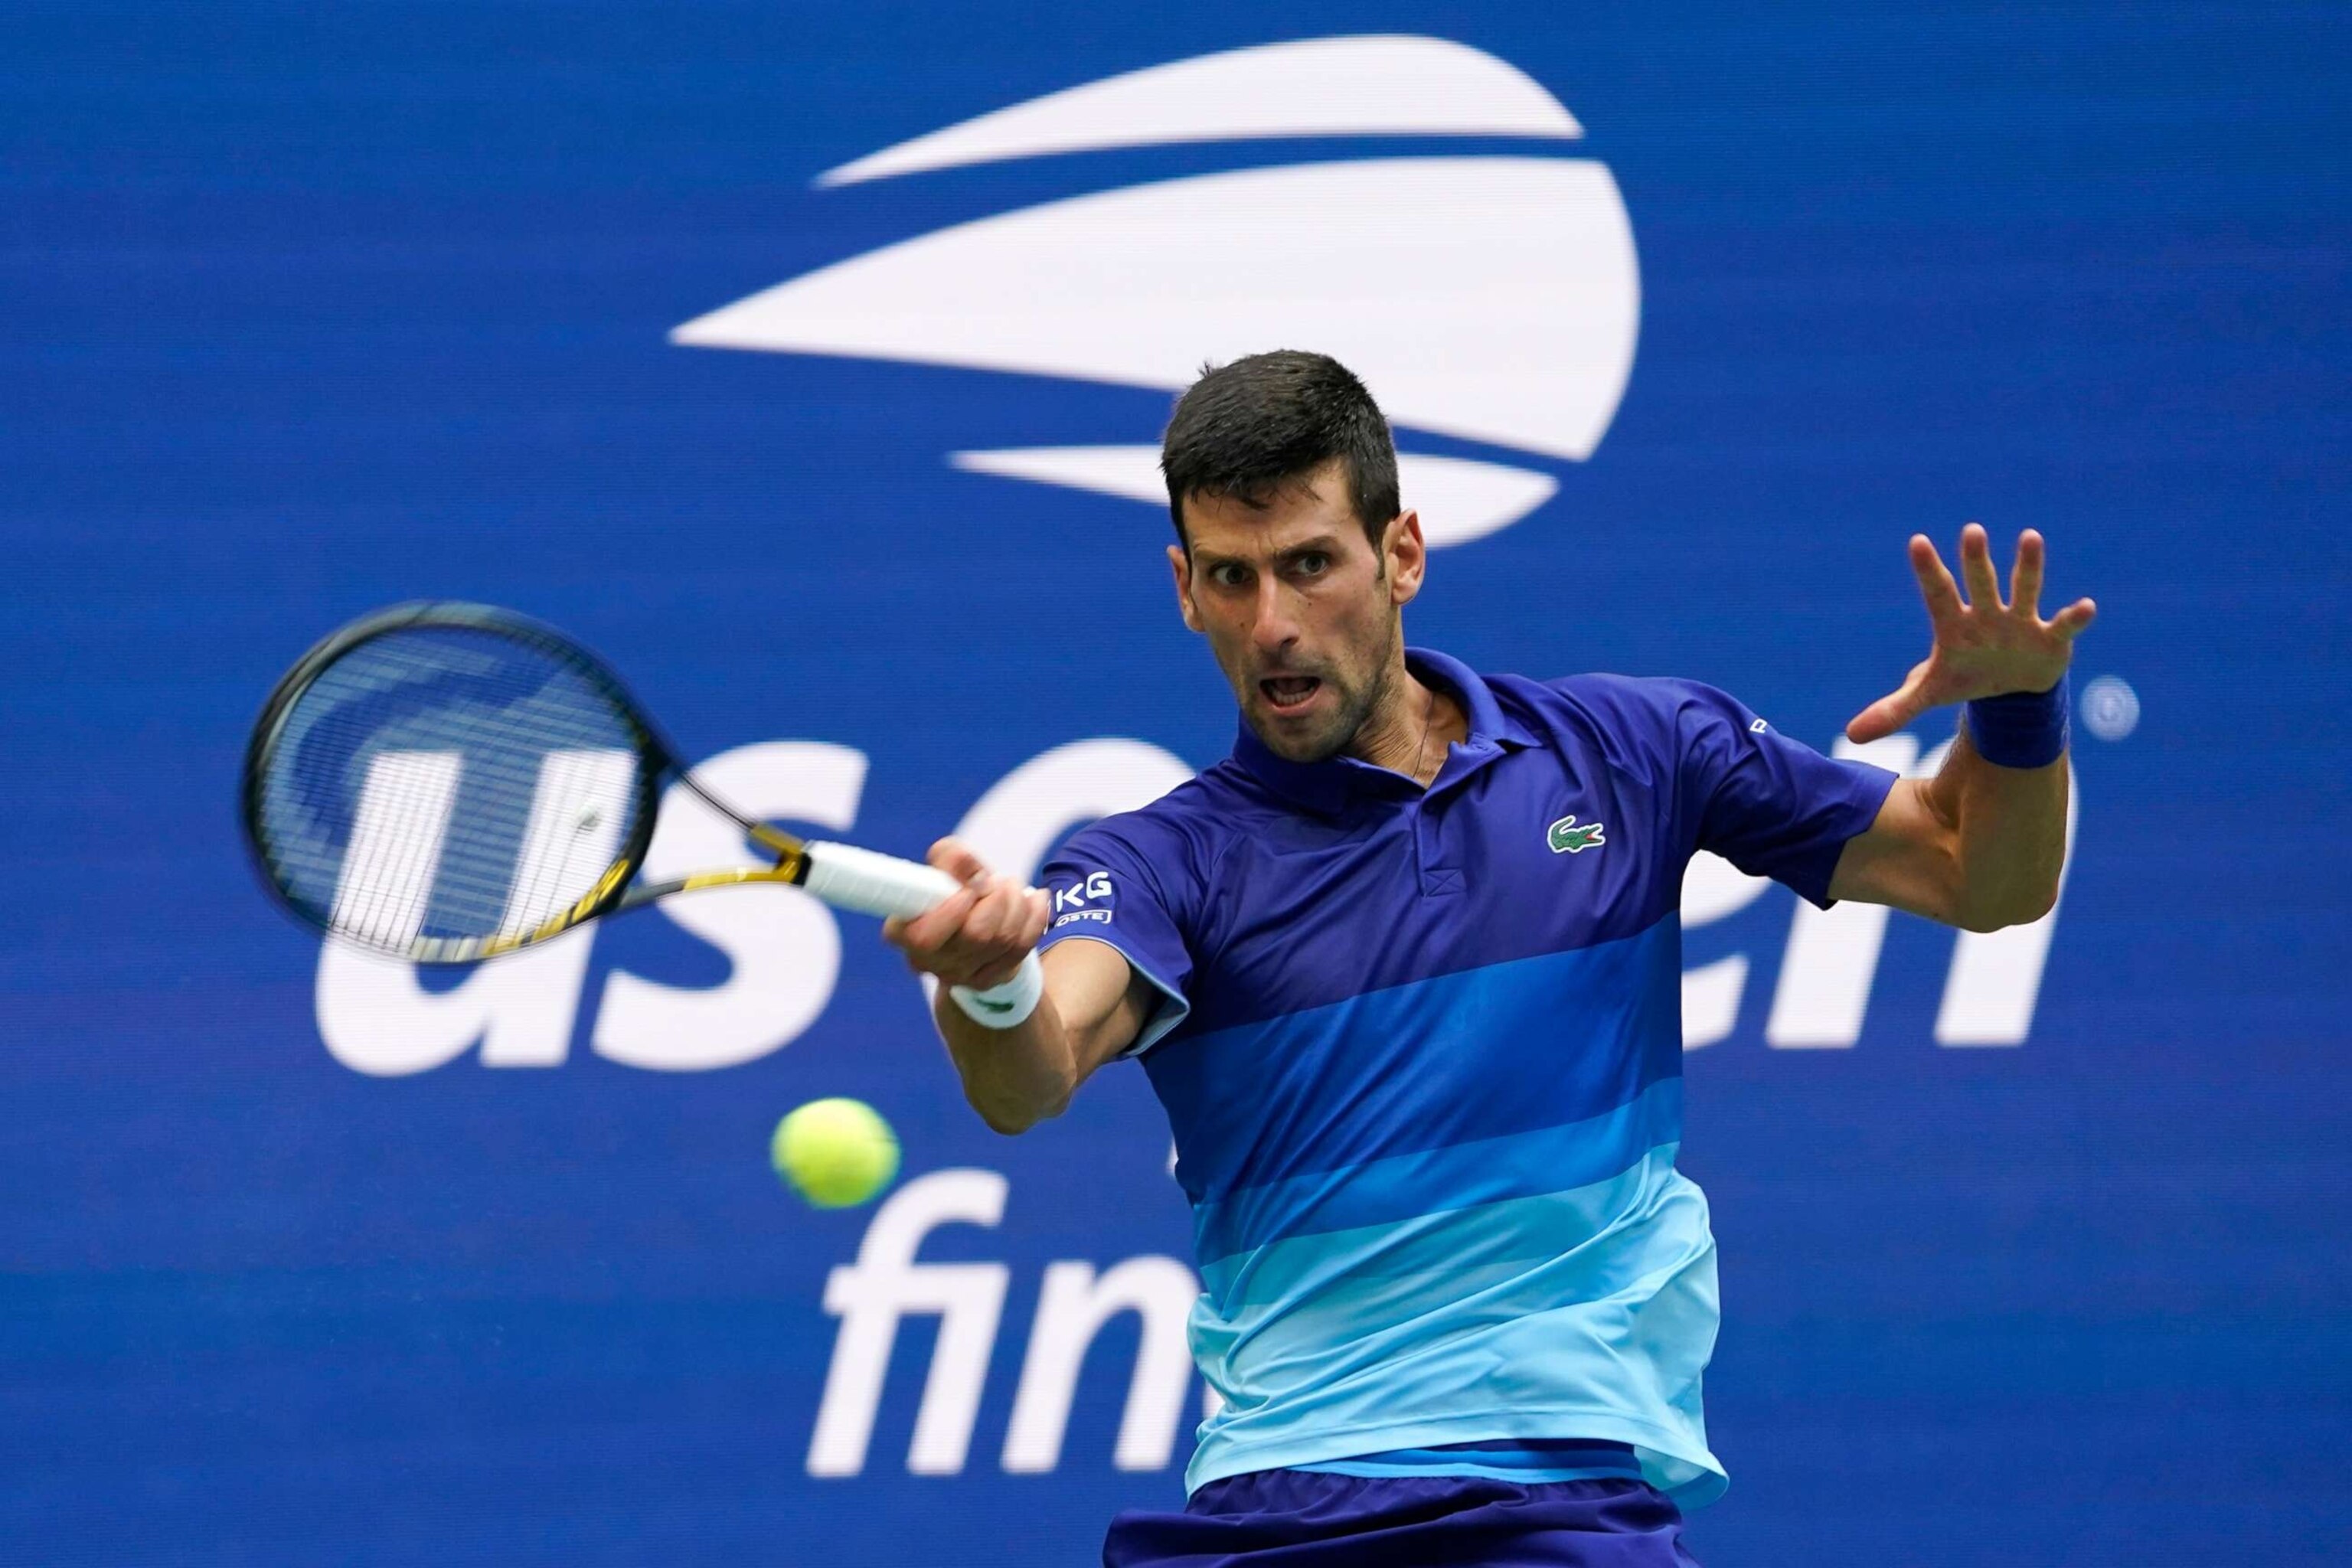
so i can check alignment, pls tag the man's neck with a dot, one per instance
(1409, 730)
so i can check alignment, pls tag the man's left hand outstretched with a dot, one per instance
(1983, 647)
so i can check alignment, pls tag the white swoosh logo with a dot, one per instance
(1374, 86)
(1493, 299)
(1487, 298)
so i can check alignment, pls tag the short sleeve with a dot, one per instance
(1772, 806)
(1103, 891)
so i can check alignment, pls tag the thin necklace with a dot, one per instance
(1421, 745)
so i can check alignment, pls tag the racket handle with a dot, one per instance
(849, 878)
(852, 878)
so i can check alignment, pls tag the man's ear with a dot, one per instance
(1183, 565)
(1406, 555)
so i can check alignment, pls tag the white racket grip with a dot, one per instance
(849, 878)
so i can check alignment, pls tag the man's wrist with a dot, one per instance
(2020, 729)
(1005, 1007)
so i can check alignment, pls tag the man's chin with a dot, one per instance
(1306, 738)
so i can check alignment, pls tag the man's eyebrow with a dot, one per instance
(1321, 544)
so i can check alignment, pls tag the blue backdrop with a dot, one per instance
(2031, 1254)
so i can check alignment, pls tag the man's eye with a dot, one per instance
(1228, 576)
(1314, 563)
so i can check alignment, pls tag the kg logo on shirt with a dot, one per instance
(1566, 837)
(1088, 901)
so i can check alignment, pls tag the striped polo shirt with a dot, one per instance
(1421, 1050)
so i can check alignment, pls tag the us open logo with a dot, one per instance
(1491, 300)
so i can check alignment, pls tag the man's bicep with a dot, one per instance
(1103, 1000)
(1133, 904)
(1906, 859)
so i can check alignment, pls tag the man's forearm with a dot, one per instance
(1015, 1077)
(1089, 1006)
(2009, 828)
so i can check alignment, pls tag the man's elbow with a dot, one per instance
(1011, 1125)
(1991, 915)
(1013, 1120)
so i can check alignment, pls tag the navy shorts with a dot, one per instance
(1302, 1519)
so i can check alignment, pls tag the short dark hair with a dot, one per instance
(1248, 429)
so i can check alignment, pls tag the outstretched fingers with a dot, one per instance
(2025, 576)
(2076, 619)
(1977, 570)
(1936, 584)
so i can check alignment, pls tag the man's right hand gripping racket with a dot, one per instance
(444, 783)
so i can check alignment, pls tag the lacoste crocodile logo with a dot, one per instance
(1567, 838)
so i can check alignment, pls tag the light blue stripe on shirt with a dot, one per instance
(1233, 1239)
(1588, 1311)
(1529, 1461)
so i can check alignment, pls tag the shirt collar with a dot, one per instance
(1328, 785)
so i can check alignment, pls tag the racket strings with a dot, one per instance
(441, 784)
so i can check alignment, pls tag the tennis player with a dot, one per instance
(1404, 970)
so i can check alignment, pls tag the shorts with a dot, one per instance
(1302, 1519)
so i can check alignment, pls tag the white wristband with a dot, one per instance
(1004, 1006)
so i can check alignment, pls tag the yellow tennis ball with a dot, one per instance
(836, 1153)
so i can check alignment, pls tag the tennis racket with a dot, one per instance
(446, 782)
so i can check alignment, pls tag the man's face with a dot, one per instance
(1299, 609)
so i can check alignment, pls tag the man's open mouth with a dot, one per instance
(1286, 692)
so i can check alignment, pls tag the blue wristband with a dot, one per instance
(2021, 729)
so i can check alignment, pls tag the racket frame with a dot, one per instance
(613, 892)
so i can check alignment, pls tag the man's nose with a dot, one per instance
(1274, 627)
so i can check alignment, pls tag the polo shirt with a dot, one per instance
(1420, 1051)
